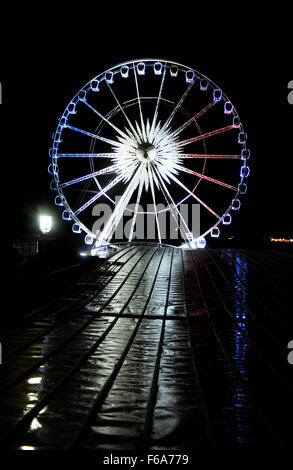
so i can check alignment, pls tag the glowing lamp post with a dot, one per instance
(45, 223)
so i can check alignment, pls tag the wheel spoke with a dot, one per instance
(208, 178)
(171, 204)
(207, 155)
(120, 207)
(99, 194)
(104, 171)
(90, 134)
(193, 119)
(135, 208)
(204, 136)
(125, 136)
(139, 105)
(154, 201)
(100, 189)
(154, 123)
(164, 127)
(87, 155)
(124, 114)
(176, 180)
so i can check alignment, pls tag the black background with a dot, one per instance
(47, 58)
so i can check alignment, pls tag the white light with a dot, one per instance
(88, 239)
(34, 425)
(124, 71)
(235, 204)
(215, 233)
(217, 94)
(201, 242)
(189, 76)
(226, 219)
(34, 380)
(140, 68)
(45, 223)
(158, 68)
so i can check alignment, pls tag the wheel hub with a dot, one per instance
(146, 152)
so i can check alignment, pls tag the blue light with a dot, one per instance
(245, 154)
(218, 94)
(204, 83)
(189, 236)
(201, 242)
(158, 68)
(109, 77)
(53, 152)
(226, 219)
(71, 108)
(76, 228)
(75, 99)
(236, 204)
(53, 186)
(244, 171)
(53, 170)
(242, 188)
(189, 76)
(63, 121)
(124, 71)
(66, 215)
(57, 137)
(242, 138)
(241, 346)
(95, 85)
(58, 201)
(236, 122)
(88, 239)
(215, 232)
(140, 68)
(228, 107)
(82, 95)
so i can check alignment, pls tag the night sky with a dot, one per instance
(44, 66)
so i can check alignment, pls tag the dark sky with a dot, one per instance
(45, 64)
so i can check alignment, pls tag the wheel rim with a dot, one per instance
(127, 133)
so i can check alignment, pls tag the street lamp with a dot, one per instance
(45, 223)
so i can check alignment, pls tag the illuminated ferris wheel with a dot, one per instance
(149, 138)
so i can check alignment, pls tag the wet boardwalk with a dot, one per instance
(156, 349)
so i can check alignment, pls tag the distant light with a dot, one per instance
(45, 223)
(281, 240)
(82, 253)
(34, 380)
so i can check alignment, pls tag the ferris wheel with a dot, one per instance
(146, 139)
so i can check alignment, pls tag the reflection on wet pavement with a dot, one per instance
(183, 339)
